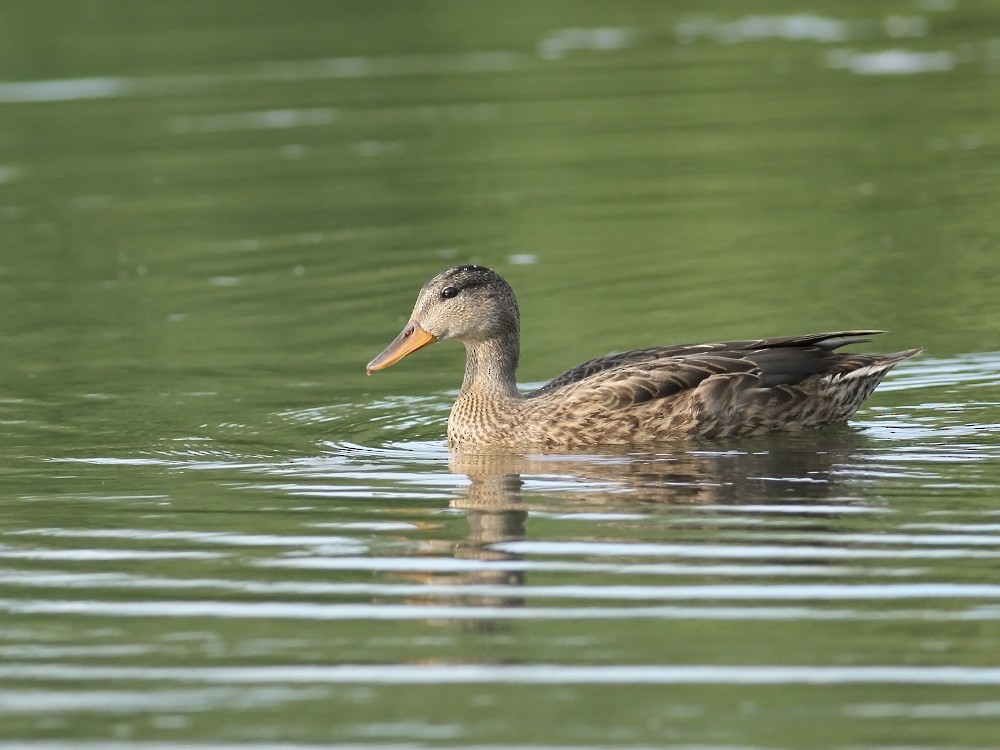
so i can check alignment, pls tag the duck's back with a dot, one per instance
(713, 390)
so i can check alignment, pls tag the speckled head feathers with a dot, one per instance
(468, 303)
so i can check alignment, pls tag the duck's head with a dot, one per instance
(469, 303)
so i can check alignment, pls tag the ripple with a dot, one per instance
(557, 44)
(945, 711)
(534, 674)
(97, 555)
(980, 368)
(74, 89)
(461, 565)
(721, 551)
(348, 545)
(129, 701)
(270, 119)
(819, 592)
(311, 611)
(47, 651)
(69, 89)
(392, 413)
(891, 62)
(756, 28)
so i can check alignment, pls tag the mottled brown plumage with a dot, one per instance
(642, 396)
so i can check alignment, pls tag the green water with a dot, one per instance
(217, 530)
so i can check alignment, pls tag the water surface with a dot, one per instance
(217, 530)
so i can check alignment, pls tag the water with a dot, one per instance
(217, 530)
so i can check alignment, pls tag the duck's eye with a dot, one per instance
(448, 292)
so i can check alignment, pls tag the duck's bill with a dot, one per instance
(413, 337)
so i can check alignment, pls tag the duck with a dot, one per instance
(644, 396)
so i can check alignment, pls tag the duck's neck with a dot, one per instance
(491, 366)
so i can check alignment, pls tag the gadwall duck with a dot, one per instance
(643, 396)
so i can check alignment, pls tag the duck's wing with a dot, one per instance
(666, 370)
(632, 385)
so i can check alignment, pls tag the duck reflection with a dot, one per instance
(773, 470)
(769, 470)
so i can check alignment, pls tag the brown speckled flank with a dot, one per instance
(643, 396)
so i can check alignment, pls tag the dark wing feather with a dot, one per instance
(789, 366)
(829, 341)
